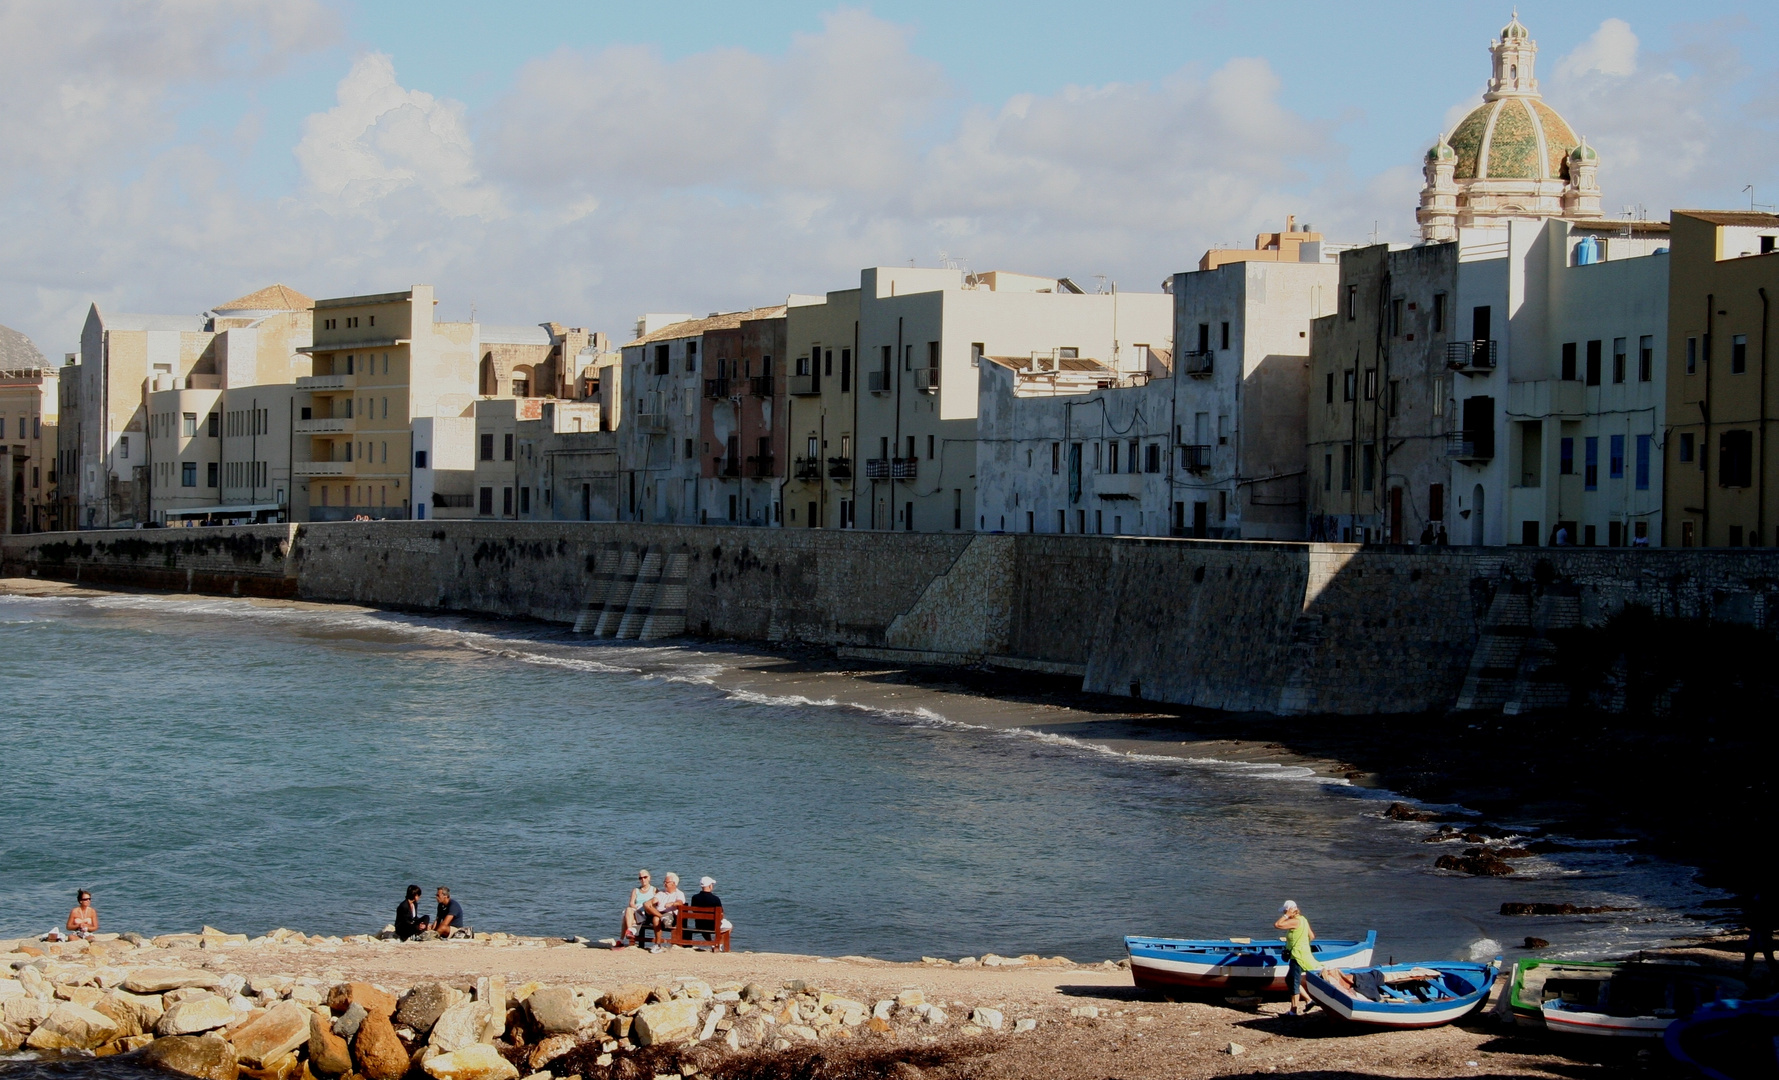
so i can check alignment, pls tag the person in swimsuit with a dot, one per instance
(83, 921)
(642, 894)
(1298, 936)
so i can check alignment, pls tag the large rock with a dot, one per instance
(161, 980)
(11, 1038)
(272, 1034)
(477, 1062)
(328, 1053)
(625, 999)
(345, 995)
(379, 1054)
(548, 1050)
(191, 1017)
(421, 1007)
(556, 1010)
(134, 1013)
(207, 1057)
(24, 1012)
(73, 1027)
(460, 1025)
(1483, 865)
(666, 1022)
(346, 1024)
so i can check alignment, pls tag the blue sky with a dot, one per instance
(588, 161)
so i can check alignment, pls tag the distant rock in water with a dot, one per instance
(1401, 811)
(1482, 865)
(1537, 943)
(1556, 909)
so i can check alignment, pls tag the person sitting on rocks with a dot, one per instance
(83, 921)
(408, 920)
(449, 921)
(633, 912)
(663, 908)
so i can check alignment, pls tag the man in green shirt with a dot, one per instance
(1298, 936)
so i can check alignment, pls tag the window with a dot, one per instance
(1396, 317)
(1347, 386)
(210, 474)
(1330, 390)
(1152, 458)
(1566, 457)
(507, 448)
(1204, 337)
(1352, 302)
(419, 459)
(1438, 313)
(1735, 459)
(1369, 478)
(1438, 396)
(661, 368)
(1112, 457)
(1327, 472)
(506, 501)
(1615, 460)
(213, 424)
(1395, 396)
(1686, 446)
(845, 370)
(486, 452)
(691, 450)
(1643, 462)
(691, 356)
(1371, 384)
(1056, 461)
(1645, 358)
(1435, 502)
(1618, 360)
(1225, 344)
(485, 501)
(1568, 373)
(1223, 429)
(1590, 478)
(188, 474)
(189, 425)
(1594, 363)
(1692, 355)
(929, 448)
(1346, 467)
(1739, 354)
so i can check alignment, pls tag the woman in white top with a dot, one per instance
(642, 894)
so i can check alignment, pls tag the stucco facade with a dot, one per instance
(821, 404)
(29, 410)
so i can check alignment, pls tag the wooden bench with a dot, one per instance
(700, 928)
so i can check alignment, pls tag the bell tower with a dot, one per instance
(1514, 55)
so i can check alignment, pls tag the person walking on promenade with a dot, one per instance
(408, 920)
(1759, 915)
(449, 922)
(633, 913)
(1298, 936)
(83, 921)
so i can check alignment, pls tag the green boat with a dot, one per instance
(1536, 981)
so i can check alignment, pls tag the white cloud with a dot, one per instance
(1612, 50)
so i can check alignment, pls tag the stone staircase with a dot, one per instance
(638, 593)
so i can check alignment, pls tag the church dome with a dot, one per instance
(1512, 138)
(1515, 30)
(1442, 151)
(1583, 153)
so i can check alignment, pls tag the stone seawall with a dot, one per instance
(1282, 628)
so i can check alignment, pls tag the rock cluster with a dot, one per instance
(230, 1027)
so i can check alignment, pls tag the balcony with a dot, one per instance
(878, 382)
(926, 380)
(808, 468)
(760, 465)
(1198, 364)
(652, 423)
(840, 468)
(892, 468)
(324, 468)
(1470, 357)
(1118, 485)
(803, 385)
(333, 425)
(1470, 445)
(728, 466)
(1196, 458)
(760, 385)
(327, 382)
(716, 388)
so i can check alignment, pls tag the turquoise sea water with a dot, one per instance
(247, 766)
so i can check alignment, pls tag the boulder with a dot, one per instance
(185, 993)
(460, 1025)
(161, 980)
(329, 1054)
(627, 999)
(550, 1049)
(11, 988)
(11, 1038)
(556, 1011)
(988, 1018)
(1401, 811)
(373, 1000)
(379, 1054)
(666, 1022)
(346, 1024)
(73, 1027)
(306, 995)
(133, 1013)
(712, 1021)
(24, 1012)
(35, 984)
(272, 1034)
(207, 1057)
(1483, 865)
(1537, 943)
(476, 1062)
(191, 1017)
(421, 1007)
(86, 996)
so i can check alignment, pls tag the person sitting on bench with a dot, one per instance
(662, 908)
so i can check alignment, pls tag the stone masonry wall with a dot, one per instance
(1266, 627)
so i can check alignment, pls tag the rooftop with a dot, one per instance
(18, 352)
(1753, 219)
(271, 298)
(727, 320)
(536, 334)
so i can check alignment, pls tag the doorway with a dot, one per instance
(1476, 517)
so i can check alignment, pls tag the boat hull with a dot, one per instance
(1533, 976)
(1469, 983)
(1175, 964)
(1574, 1022)
(1728, 1040)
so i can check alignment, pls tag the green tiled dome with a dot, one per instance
(1510, 129)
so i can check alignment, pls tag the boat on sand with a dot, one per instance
(1421, 995)
(1171, 965)
(1638, 1001)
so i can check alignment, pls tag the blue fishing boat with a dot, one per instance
(1170, 965)
(1403, 995)
(1728, 1039)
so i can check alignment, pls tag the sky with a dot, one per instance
(585, 162)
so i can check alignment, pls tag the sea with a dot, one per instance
(250, 765)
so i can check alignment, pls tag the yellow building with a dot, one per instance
(1722, 470)
(381, 362)
(29, 399)
(822, 339)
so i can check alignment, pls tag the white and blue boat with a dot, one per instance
(1170, 965)
(1404, 995)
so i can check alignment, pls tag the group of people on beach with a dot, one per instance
(660, 909)
(447, 922)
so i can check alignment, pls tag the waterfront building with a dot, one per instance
(566, 466)
(66, 514)
(820, 410)
(382, 361)
(546, 360)
(510, 432)
(30, 400)
(922, 337)
(1722, 476)
(702, 445)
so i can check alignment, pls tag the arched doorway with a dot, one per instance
(1476, 516)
